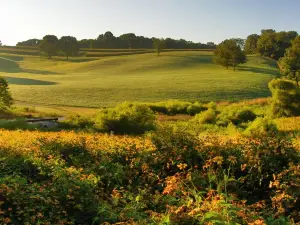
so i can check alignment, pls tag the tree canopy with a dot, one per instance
(273, 44)
(290, 63)
(229, 53)
(31, 42)
(6, 99)
(251, 44)
(158, 45)
(49, 45)
(128, 40)
(68, 45)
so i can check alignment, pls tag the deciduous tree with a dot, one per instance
(68, 45)
(290, 63)
(229, 53)
(6, 99)
(158, 45)
(251, 44)
(49, 45)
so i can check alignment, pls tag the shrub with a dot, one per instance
(77, 121)
(173, 107)
(261, 126)
(208, 116)
(235, 115)
(285, 98)
(246, 115)
(211, 105)
(125, 118)
(6, 99)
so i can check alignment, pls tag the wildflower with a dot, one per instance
(218, 160)
(182, 166)
(232, 159)
(243, 167)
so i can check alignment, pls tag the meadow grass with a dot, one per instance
(106, 81)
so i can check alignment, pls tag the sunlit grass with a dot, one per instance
(97, 82)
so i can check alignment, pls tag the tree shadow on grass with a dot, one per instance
(26, 81)
(259, 70)
(10, 66)
(74, 60)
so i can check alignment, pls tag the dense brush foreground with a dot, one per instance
(166, 177)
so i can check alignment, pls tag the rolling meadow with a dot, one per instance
(106, 81)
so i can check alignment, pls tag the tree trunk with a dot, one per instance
(67, 57)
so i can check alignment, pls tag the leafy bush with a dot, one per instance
(285, 98)
(173, 107)
(209, 116)
(77, 121)
(126, 118)
(261, 126)
(235, 115)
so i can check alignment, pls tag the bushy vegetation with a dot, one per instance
(207, 117)
(125, 118)
(261, 127)
(285, 98)
(6, 99)
(173, 107)
(168, 177)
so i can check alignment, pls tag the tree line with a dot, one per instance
(281, 46)
(129, 40)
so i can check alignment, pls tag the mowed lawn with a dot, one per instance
(97, 82)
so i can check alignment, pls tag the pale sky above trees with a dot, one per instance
(195, 20)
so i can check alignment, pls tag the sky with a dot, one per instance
(193, 20)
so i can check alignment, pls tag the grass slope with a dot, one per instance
(96, 82)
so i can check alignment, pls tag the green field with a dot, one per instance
(105, 81)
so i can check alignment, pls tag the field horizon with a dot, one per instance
(92, 82)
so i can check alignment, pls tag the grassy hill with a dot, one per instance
(105, 81)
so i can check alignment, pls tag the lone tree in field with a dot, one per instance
(229, 53)
(158, 45)
(68, 45)
(290, 63)
(49, 45)
(6, 99)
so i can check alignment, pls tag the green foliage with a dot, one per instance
(69, 46)
(173, 107)
(6, 99)
(125, 118)
(49, 45)
(261, 127)
(251, 44)
(290, 63)
(272, 44)
(77, 121)
(236, 115)
(207, 117)
(285, 98)
(229, 53)
(158, 45)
